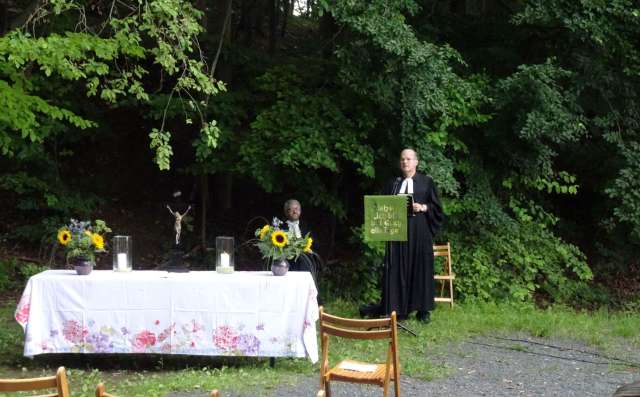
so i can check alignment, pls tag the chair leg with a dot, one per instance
(451, 291)
(385, 389)
(327, 389)
(396, 387)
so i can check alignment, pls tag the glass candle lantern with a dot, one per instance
(224, 254)
(122, 254)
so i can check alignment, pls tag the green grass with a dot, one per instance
(421, 357)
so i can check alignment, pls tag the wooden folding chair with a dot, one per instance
(58, 382)
(447, 276)
(100, 391)
(355, 371)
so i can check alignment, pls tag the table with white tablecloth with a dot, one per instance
(199, 313)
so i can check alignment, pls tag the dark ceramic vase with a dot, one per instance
(82, 265)
(280, 267)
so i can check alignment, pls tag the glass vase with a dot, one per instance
(122, 253)
(224, 254)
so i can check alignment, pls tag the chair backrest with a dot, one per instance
(215, 393)
(58, 382)
(382, 328)
(444, 251)
(100, 391)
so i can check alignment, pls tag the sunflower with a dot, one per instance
(307, 246)
(279, 239)
(98, 241)
(64, 236)
(264, 231)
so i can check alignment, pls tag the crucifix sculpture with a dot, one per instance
(178, 224)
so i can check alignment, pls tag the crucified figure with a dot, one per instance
(178, 224)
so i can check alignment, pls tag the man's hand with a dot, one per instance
(417, 207)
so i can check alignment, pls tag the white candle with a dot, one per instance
(122, 261)
(224, 259)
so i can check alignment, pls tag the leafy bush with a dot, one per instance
(8, 274)
(523, 262)
(31, 269)
(520, 262)
(14, 273)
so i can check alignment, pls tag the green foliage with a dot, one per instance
(112, 65)
(160, 144)
(8, 272)
(14, 273)
(40, 197)
(520, 114)
(305, 132)
(127, 54)
(597, 42)
(31, 269)
(625, 189)
(521, 262)
(413, 81)
(542, 114)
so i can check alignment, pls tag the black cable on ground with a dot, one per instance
(538, 354)
(630, 363)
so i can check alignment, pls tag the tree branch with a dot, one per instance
(22, 18)
(227, 18)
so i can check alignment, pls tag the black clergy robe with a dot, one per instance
(407, 282)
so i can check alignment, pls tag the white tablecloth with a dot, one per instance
(200, 313)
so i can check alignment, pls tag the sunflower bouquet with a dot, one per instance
(83, 240)
(277, 244)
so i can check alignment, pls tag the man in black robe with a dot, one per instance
(407, 282)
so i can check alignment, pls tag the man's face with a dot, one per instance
(408, 161)
(293, 212)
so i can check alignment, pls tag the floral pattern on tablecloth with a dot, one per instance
(225, 340)
(22, 311)
(50, 328)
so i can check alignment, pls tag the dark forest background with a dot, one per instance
(524, 112)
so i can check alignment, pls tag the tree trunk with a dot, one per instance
(287, 8)
(228, 191)
(204, 186)
(328, 29)
(273, 11)
(4, 19)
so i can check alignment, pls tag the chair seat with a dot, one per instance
(444, 277)
(376, 377)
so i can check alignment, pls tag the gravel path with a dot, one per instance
(495, 366)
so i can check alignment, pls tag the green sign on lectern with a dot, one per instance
(385, 218)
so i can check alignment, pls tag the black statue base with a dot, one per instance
(175, 263)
